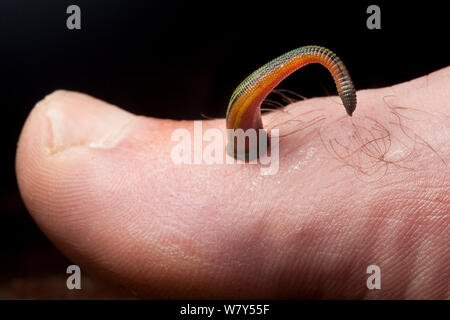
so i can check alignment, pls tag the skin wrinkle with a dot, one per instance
(405, 236)
(414, 251)
(298, 237)
(389, 282)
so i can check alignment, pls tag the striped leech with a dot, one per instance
(244, 111)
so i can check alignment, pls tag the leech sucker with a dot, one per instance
(243, 110)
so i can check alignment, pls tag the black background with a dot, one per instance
(182, 60)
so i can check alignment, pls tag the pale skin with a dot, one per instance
(101, 184)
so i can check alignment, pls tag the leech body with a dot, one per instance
(244, 107)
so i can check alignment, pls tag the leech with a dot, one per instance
(244, 110)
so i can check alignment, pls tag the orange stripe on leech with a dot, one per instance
(252, 99)
(258, 92)
(265, 84)
(243, 103)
